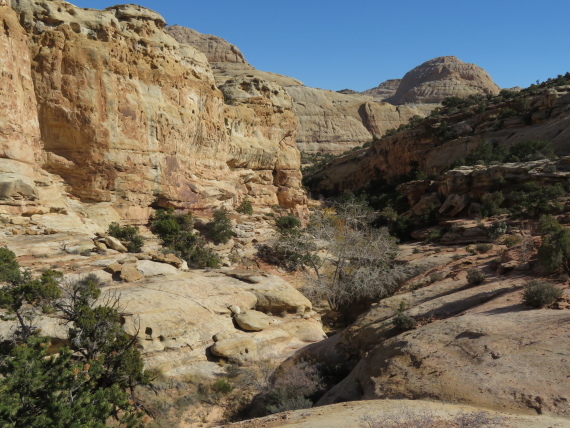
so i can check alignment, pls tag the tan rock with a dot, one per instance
(129, 273)
(239, 349)
(115, 244)
(114, 268)
(253, 320)
(443, 77)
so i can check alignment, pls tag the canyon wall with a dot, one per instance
(127, 115)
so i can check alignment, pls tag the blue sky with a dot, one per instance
(335, 45)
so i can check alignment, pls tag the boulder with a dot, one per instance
(129, 273)
(115, 244)
(239, 348)
(253, 320)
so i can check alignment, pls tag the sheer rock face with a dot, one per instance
(443, 77)
(128, 115)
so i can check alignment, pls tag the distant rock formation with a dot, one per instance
(442, 77)
(383, 90)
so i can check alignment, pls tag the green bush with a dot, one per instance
(511, 240)
(288, 222)
(539, 294)
(531, 150)
(554, 252)
(127, 234)
(491, 203)
(177, 234)
(475, 277)
(222, 386)
(434, 236)
(497, 229)
(483, 248)
(219, 229)
(536, 199)
(404, 322)
(245, 207)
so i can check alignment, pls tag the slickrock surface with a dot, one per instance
(372, 413)
(442, 77)
(474, 345)
(181, 316)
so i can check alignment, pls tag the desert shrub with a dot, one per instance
(548, 224)
(531, 150)
(491, 203)
(219, 229)
(291, 388)
(436, 276)
(487, 152)
(536, 199)
(483, 247)
(402, 227)
(222, 386)
(475, 277)
(127, 234)
(512, 240)
(177, 234)
(404, 322)
(497, 229)
(245, 207)
(287, 222)
(91, 379)
(554, 252)
(539, 294)
(434, 236)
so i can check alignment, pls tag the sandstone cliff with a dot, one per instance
(327, 121)
(442, 77)
(127, 115)
(427, 148)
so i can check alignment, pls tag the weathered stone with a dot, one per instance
(238, 348)
(129, 273)
(115, 244)
(253, 320)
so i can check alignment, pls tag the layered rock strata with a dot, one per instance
(127, 115)
(442, 77)
(425, 149)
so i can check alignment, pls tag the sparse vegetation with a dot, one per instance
(483, 248)
(177, 234)
(539, 294)
(219, 229)
(475, 277)
(246, 207)
(129, 235)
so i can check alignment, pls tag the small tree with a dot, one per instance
(220, 227)
(87, 382)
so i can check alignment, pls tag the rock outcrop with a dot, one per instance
(126, 115)
(442, 77)
(384, 90)
(426, 148)
(473, 345)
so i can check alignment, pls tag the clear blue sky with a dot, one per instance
(337, 44)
